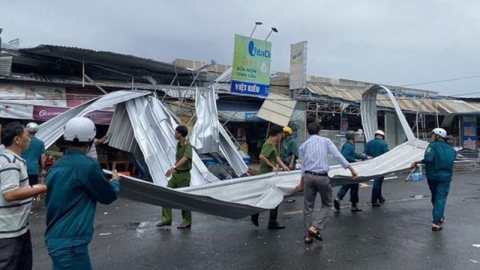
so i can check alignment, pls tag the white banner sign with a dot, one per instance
(298, 65)
(33, 94)
(16, 111)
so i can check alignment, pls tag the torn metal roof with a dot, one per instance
(152, 128)
(406, 102)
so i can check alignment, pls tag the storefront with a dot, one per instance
(240, 119)
(40, 103)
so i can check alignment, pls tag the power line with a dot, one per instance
(440, 81)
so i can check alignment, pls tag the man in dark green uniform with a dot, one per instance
(269, 162)
(180, 173)
(289, 149)
(348, 151)
(438, 160)
(375, 148)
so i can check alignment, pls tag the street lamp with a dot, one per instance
(256, 24)
(273, 30)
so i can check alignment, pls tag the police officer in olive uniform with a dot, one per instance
(348, 151)
(438, 160)
(269, 162)
(180, 173)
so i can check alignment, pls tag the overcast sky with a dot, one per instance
(384, 41)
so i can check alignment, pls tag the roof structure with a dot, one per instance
(407, 102)
(106, 58)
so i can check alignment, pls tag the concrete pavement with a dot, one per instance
(395, 236)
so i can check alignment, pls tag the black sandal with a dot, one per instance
(436, 227)
(315, 235)
(308, 240)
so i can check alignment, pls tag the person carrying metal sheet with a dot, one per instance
(438, 159)
(269, 162)
(75, 184)
(34, 155)
(289, 149)
(314, 155)
(375, 148)
(348, 151)
(288, 152)
(180, 173)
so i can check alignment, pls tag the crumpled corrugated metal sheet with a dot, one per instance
(51, 130)
(154, 130)
(368, 109)
(145, 115)
(236, 198)
(231, 153)
(241, 197)
(209, 136)
(205, 134)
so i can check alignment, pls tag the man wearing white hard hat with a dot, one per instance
(76, 183)
(438, 160)
(34, 155)
(375, 148)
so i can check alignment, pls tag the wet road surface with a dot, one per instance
(395, 236)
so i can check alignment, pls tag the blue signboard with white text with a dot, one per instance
(469, 131)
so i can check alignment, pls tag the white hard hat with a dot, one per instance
(80, 128)
(32, 127)
(379, 132)
(440, 132)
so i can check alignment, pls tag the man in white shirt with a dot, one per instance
(16, 199)
(314, 156)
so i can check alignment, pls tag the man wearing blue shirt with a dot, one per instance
(438, 160)
(34, 155)
(76, 183)
(348, 151)
(375, 148)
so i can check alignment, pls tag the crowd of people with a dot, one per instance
(76, 183)
(438, 159)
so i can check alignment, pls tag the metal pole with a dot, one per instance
(94, 83)
(268, 35)
(253, 30)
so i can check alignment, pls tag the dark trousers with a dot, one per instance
(33, 179)
(273, 216)
(377, 190)
(353, 193)
(16, 253)
(439, 190)
(70, 257)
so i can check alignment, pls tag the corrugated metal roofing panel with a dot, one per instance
(106, 58)
(459, 106)
(6, 65)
